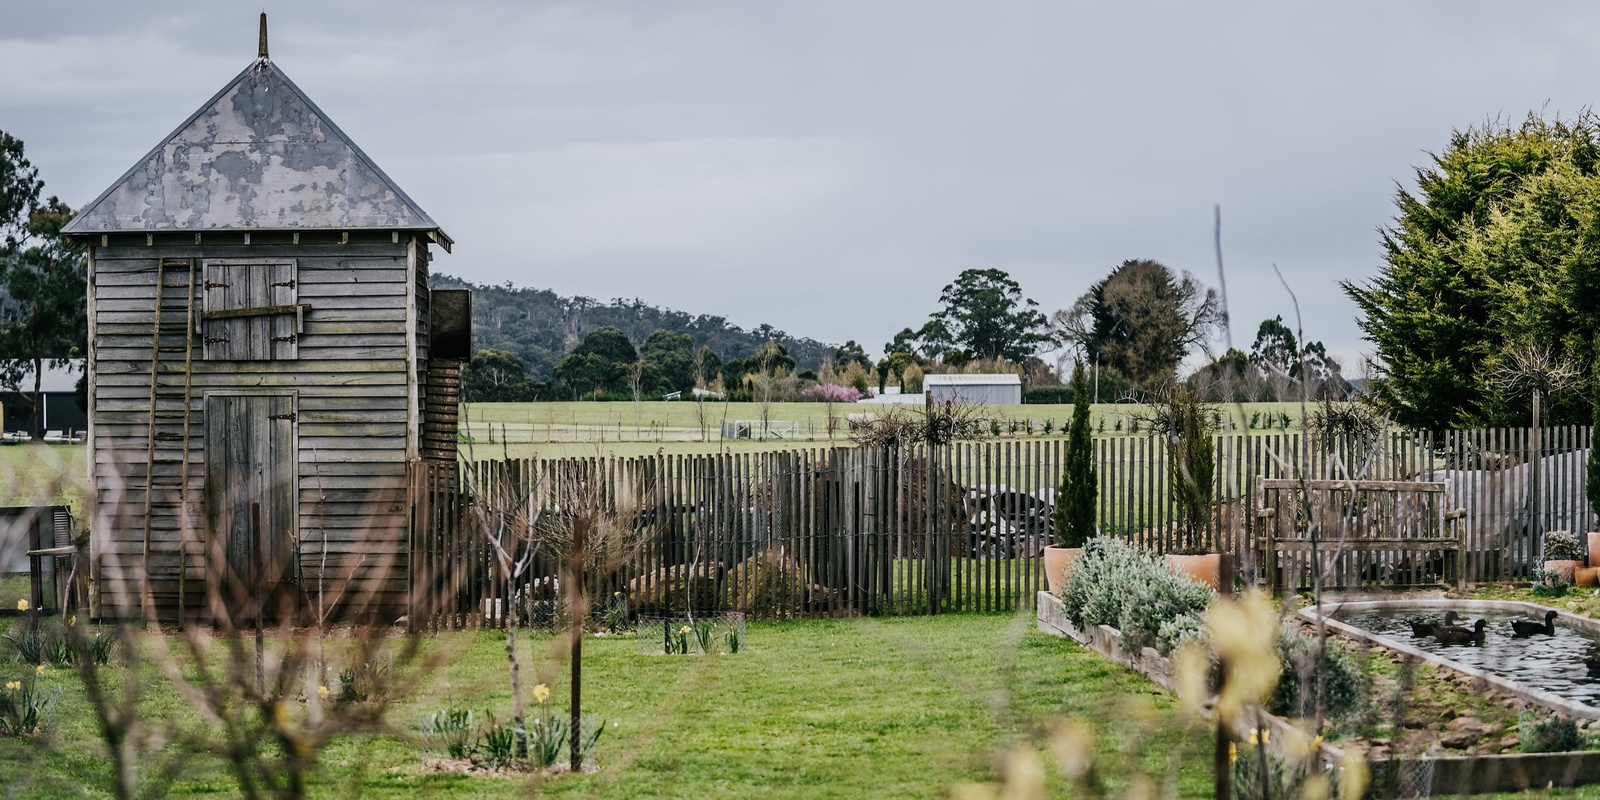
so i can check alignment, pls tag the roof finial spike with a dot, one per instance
(262, 49)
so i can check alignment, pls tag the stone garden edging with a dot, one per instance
(1107, 641)
(1446, 775)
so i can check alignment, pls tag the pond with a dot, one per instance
(1551, 663)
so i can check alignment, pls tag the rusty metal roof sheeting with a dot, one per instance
(259, 156)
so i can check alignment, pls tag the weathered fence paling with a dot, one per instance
(921, 530)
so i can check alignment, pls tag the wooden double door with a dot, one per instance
(251, 493)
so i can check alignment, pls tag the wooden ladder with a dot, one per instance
(158, 393)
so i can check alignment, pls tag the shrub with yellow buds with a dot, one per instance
(1244, 637)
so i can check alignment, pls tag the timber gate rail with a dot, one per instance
(960, 528)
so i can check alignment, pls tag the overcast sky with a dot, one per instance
(828, 167)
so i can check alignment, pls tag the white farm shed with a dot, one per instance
(988, 390)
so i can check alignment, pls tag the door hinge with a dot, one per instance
(290, 338)
(216, 285)
(289, 283)
(289, 416)
(216, 339)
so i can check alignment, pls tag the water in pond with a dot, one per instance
(1551, 663)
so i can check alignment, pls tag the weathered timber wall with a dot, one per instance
(359, 380)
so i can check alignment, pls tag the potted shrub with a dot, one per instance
(1561, 554)
(1073, 516)
(1191, 468)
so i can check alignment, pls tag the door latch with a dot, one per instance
(289, 416)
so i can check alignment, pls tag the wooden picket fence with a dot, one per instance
(848, 531)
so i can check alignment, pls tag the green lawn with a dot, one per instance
(822, 708)
(44, 474)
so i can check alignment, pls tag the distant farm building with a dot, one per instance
(58, 387)
(988, 390)
(267, 364)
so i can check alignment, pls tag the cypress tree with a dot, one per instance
(1075, 498)
(1592, 487)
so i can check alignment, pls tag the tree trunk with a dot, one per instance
(38, 399)
(517, 708)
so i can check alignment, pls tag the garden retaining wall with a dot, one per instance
(1394, 777)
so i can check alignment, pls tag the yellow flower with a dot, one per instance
(541, 693)
(39, 670)
(1233, 752)
(22, 605)
(72, 620)
(322, 692)
(1260, 735)
(13, 686)
(686, 629)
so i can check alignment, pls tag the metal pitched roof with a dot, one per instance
(258, 156)
(956, 379)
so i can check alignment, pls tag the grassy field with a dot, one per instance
(45, 474)
(825, 708)
(625, 429)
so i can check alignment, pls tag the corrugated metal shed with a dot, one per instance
(1002, 389)
(258, 156)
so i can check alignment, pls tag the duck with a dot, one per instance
(1592, 661)
(1455, 634)
(1421, 629)
(1525, 627)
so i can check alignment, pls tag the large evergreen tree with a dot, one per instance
(985, 316)
(1141, 321)
(43, 318)
(1497, 248)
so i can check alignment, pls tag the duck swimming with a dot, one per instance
(1525, 627)
(1421, 629)
(1455, 634)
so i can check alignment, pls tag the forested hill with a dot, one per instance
(541, 327)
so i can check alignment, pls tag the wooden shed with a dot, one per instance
(265, 366)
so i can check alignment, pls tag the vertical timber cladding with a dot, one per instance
(252, 490)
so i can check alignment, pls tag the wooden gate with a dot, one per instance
(251, 487)
(1357, 533)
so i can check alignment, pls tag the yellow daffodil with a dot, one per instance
(322, 692)
(22, 605)
(39, 670)
(1260, 736)
(13, 686)
(1233, 752)
(686, 629)
(541, 693)
(72, 621)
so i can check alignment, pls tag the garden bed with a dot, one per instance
(1458, 731)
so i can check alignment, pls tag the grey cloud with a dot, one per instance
(827, 167)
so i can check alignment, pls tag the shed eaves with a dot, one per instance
(258, 156)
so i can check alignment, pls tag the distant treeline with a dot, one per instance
(541, 328)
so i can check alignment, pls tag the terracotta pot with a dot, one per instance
(1594, 548)
(1057, 565)
(1562, 568)
(1205, 568)
(1586, 576)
